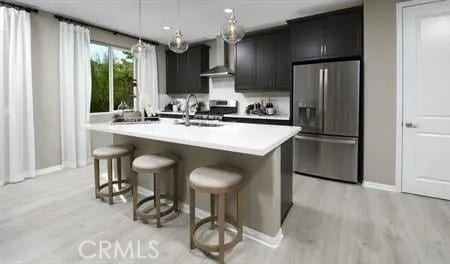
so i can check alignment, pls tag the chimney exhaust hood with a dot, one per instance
(222, 69)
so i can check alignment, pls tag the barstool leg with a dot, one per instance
(175, 188)
(158, 201)
(130, 170)
(119, 173)
(97, 177)
(221, 220)
(110, 185)
(239, 207)
(191, 216)
(134, 181)
(212, 202)
(154, 189)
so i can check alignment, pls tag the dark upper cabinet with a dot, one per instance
(282, 75)
(343, 34)
(183, 71)
(326, 36)
(171, 71)
(198, 63)
(245, 70)
(263, 62)
(306, 39)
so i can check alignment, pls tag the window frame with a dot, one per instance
(111, 73)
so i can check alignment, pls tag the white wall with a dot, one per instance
(45, 68)
(380, 90)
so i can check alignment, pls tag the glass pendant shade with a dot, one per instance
(139, 50)
(232, 32)
(177, 44)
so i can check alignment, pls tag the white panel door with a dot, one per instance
(426, 99)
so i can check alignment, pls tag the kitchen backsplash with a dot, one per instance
(223, 89)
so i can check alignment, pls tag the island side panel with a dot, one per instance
(262, 187)
(287, 170)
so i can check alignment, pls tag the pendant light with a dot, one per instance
(232, 32)
(177, 43)
(139, 50)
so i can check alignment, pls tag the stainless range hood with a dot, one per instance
(222, 69)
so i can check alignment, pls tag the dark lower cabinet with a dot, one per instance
(257, 121)
(263, 62)
(287, 150)
(331, 35)
(183, 71)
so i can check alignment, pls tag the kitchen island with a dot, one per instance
(264, 152)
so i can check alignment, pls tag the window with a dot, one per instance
(112, 78)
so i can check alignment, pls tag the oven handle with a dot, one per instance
(327, 140)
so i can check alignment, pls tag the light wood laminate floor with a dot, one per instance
(44, 220)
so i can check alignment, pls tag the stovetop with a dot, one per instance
(217, 108)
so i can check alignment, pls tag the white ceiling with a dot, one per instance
(199, 19)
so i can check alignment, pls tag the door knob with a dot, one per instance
(410, 125)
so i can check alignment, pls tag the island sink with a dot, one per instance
(199, 123)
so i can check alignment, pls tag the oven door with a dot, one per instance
(326, 156)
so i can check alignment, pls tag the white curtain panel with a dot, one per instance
(17, 150)
(75, 92)
(147, 78)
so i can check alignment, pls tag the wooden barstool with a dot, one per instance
(155, 164)
(109, 153)
(218, 181)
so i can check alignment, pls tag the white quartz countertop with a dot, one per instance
(253, 139)
(173, 113)
(269, 117)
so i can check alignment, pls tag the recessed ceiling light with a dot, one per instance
(166, 28)
(228, 10)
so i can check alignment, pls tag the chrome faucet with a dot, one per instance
(186, 119)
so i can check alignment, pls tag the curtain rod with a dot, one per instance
(81, 23)
(19, 7)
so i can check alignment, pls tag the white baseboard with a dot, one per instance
(269, 241)
(379, 186)
(49, 170)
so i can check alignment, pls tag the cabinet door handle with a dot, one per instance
(324, 49)
(321, 49)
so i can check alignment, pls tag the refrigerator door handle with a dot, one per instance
(320, 112)
(325, 90)
(328, 140)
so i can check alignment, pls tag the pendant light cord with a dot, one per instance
(178, 14)
(140, 20)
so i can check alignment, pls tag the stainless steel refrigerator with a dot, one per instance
(326, 106)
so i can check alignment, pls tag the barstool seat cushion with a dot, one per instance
(151, 162)
(112, 151)
(216, 177)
